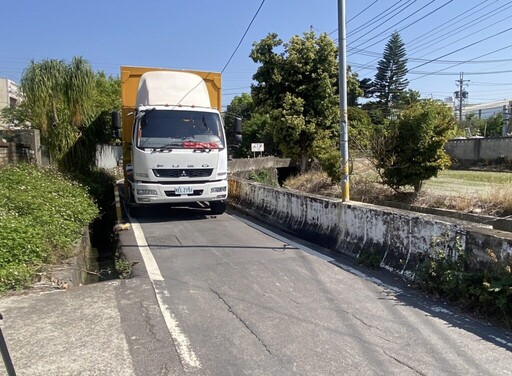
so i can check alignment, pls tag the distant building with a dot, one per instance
(486, 110)
(10, 95)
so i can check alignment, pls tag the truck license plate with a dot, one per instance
(184, 190)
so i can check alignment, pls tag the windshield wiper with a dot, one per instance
(169, 146)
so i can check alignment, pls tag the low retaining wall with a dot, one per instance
(477, 149)
(398, 238)
(250, 164)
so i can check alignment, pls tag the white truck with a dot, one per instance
(174, 143)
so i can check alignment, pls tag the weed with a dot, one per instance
(370, 259)
(124, 267)
(447, 272)
(264, 176)
(42, 215)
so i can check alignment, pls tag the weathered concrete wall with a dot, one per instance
(22, 145)
(108, 156)
(11, 152)
(249, 164)
(476, 149)
(398, 238)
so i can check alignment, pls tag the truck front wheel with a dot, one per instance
(217, 207)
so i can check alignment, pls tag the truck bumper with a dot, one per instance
(149, 193)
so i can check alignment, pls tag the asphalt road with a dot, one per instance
(234, 300)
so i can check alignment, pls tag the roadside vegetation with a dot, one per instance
(46, 210)
(488, 292)
(43, 216)
(479, 192)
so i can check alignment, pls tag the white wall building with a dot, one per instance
(10, 95)
(485, 110)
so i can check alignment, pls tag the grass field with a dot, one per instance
(479, 184)
(482, 192)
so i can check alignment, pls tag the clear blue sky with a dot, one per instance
(202, 34)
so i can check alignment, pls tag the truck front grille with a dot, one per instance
(183, 172)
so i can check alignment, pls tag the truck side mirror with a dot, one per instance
(238, 130)
(116, 124)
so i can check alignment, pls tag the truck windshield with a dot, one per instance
(180, 130)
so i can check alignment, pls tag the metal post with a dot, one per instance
(342, 47)
(504, 128)
(5, 354)
(119, 213)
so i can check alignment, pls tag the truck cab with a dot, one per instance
(177, 143)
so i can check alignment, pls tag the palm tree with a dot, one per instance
(60, 98)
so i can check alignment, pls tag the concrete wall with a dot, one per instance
(11, 152)
(249, 164)
(22, 146)
(108, 156)
(477, 149)
(397, 238)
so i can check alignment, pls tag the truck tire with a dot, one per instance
(217, 207)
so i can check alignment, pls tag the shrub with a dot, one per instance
(448, 273)
(410, 150)
(264, 176)
(42, 216)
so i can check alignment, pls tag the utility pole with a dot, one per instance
(460, 95)
(342, 47)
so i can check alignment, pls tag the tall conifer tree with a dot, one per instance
(390, 82)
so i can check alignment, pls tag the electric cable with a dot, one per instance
(439, 28)
(463, 48)
(414, 22)
(395, 24)
(454, 65)
(383, 14)
(462, 29)
(357, 15)
(243, 36)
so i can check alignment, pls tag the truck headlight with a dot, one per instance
(146, 192)
(218, 189)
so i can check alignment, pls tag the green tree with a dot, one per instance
(473, 125)
(106, 98)
(360, 131)
(17, 116)
(354, 90)
(241, 106)
(259, 128)
(493, 125)
(298, 88)
(71, 106)
(60, 99)
(410, 150)
(390, 83)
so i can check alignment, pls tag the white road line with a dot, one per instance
(181, 341)
(502, 341)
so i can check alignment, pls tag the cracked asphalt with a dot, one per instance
(224, 298)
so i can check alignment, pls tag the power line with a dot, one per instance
(364, 67)
(384, 14)
(396, 24)
(461, 29)
(438, 29)
(357, 15)
(243, 36)
(420, 60)
(454, 65)
(463, 48)
(412, 23)
(479, 83)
